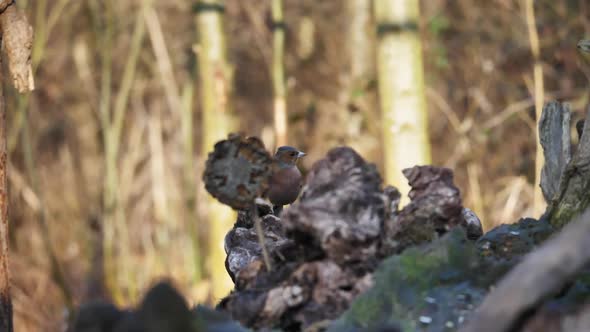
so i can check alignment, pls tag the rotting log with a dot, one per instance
(326, 246)
(17, 38)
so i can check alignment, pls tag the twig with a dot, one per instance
(157, 168)
(129, 72)
(446, 109)
(259, 30)
(260, 234)
(163, 59)
(19, 185)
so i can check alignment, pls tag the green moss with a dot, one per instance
(562, 215)
(366, 311)
(420, 281)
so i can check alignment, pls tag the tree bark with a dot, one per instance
(5, 302)
(17, 37)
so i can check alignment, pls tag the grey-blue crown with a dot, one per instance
(286, 148)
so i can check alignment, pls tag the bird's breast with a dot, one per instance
(284, 186)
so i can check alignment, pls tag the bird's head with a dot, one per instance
(288, 156)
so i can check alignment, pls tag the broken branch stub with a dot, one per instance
(237, 171)
(17, 40)
(573, 195)
(554, 134)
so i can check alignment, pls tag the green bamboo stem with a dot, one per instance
(278, 74)
(401, 89)
(110, 180)
(117, 268)
(214, 84)
(122, 99)
(189, 179)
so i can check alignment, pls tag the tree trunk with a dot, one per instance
(5, 302)
(17, 38)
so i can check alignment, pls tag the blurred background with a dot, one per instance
(107, 153)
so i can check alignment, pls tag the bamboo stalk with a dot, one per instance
(110, 180)
(361, 47)
(163, 59)
(278, 74)
(158, 161)
(158, 175)
(361, 70)
(129, 71)
(401, 90)
(117, 268)
(189, 178)
(539, 203)
(214, 84)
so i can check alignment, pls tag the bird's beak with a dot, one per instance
(301, 154)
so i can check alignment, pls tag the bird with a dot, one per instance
(286, 180)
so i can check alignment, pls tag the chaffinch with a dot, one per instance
(286, 180)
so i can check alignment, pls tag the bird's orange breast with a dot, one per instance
(284, 185)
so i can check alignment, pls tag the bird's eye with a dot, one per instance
(293, 154)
